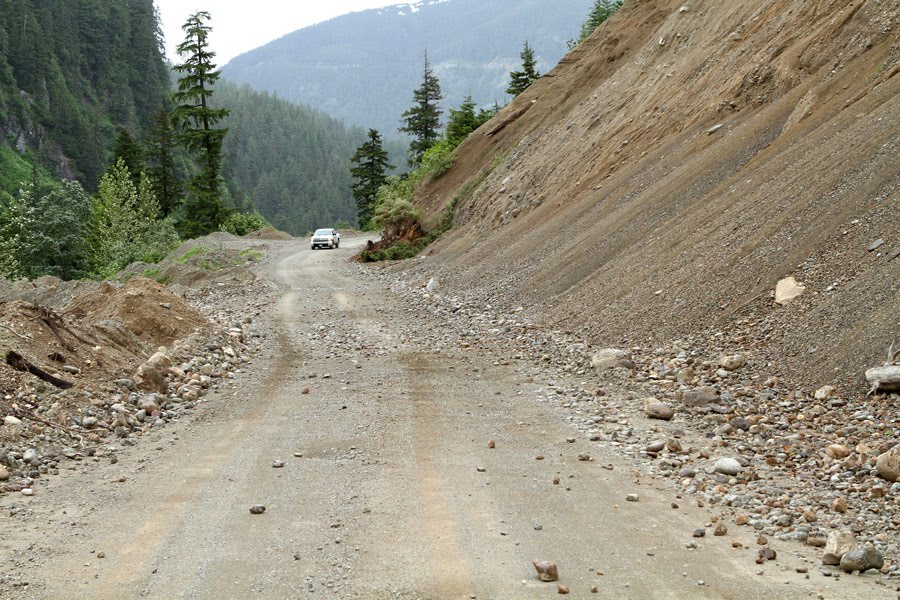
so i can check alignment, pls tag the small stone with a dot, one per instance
(767, 554)
(721, 529)
(862, 559)
(584, 457)
(787, 290)
(839, 505)
(4, 473)
(101, 555)
(28, 492)
(277, 464)
(11, 421)
(876, 245)
(257, 509)
(546, 570)
(816, 541)
(700, 396)
(762, 540)
(656, 446)
(492, 444)
(632, 498)
(888, 464)
(659, 410)
(305, 391)
(594, 589)
(699, 532)
(825, 392)
(728, 466)
(737, 544)
(742, 519)
(562, 589)
(611, 358)
(481, 469)
(837, 451)
(733, 362)
(674, 446)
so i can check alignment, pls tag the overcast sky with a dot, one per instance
(242, 25)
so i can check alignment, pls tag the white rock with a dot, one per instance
(611, 358)
(12, 421)
(728, 466)
(838, 544)
(433, 285)
(787, 290)
(825, 392)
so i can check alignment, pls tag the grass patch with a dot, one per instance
(193, 252)
(251, 255)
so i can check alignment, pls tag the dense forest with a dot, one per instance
(362, 67)
(71, 73)
(293, 161)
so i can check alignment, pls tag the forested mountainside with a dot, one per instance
(71, 73)
(292, 161)
(363, 67)
(655, 187)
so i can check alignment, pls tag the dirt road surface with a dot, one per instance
(389, 488)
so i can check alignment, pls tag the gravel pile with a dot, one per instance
(702, 416)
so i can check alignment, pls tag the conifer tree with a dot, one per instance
(423, 119)
(131, 152)
(600, 12)
(126, 223)
(195, 119)
(369, 175)
(520, 80)
(161, 157)
(462, 121)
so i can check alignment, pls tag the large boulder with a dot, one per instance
(151, 376)
(611, 358)
(862, 559)
(838, 544)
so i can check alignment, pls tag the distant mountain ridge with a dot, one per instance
(363, 67)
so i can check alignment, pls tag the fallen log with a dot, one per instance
(20, 363)
(885, 378)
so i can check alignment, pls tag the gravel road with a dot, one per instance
(389, 487)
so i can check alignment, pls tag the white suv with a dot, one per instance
(325, 238)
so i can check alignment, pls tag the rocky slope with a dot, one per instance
(654, 187)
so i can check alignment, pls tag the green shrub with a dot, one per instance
(242, 224)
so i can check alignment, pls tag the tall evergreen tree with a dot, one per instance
(423, 119)
(131, 153)
(520, 80)
(204, 209)
(160, 147)
(600, 12)
(369, 175)
(462, 122)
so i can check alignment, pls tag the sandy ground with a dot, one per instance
(389, 488)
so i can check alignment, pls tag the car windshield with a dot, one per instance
(322, 232)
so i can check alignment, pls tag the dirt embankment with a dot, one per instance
(659, 182)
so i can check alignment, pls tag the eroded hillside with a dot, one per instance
(658, 183)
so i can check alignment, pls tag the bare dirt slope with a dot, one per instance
(660, 181)
(389, 489)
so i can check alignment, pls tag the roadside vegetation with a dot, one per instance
(387, 203)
